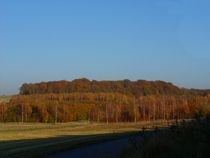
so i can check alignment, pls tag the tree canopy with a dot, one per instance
(137, 88)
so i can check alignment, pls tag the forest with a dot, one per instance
(104, 101)
(127, 87)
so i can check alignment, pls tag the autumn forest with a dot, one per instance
(104, 101)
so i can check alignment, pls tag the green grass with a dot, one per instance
(39, 139)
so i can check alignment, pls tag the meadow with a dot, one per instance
(5, 99)
(39, 139)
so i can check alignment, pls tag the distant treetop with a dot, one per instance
(137, 88)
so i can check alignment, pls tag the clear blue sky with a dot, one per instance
(44, 40)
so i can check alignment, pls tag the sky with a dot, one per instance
(45, 40)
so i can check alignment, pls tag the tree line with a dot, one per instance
(102, 107)
(104, 101)
(136, 88)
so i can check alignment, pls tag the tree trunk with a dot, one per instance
(22, 113)
(134, 110)
(56, 113)
(154, 112)
(107, 119)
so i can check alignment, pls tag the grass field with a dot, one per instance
(38, 140)
(5, 99)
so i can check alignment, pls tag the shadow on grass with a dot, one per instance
(189, 140)
(36, 148)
